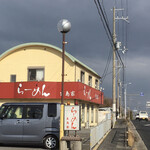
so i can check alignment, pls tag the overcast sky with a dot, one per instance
(23, 21)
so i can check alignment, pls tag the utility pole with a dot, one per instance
(120, 99)
(118, 87)
(124, 50)
(125, 101)
(114, 64)
(114, 69)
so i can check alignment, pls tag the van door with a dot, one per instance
(11, 126)
(33, 123)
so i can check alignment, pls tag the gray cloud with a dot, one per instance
(36, 21)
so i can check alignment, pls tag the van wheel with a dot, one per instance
(50, 142)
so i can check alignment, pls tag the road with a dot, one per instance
(143, 128)
(21, 147)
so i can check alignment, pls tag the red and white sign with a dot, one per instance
(72, 118)
(50, 90)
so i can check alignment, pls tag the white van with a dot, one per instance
(143, 115)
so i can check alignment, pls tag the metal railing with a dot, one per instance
(98, 132)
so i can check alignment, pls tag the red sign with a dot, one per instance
(50, 90)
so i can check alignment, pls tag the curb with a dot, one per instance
(138, 143)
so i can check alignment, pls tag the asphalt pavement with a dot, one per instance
(83, 133)
(143, 128)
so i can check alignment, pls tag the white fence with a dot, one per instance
(98, 132)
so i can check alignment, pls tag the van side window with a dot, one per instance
(52, 110)
(14, 112)
(34, 112)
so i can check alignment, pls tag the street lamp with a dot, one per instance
(125, 99)
(63, 26)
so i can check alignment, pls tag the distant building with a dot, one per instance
(31, 72)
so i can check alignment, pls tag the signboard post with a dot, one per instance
(72, 118)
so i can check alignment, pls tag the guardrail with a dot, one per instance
(98, 132)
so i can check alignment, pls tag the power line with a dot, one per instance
(106, 27)
(105, 12)
(104, 20)
(107, 65)
(108, 33)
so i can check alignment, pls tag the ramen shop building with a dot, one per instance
(31, 72)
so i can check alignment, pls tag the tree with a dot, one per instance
(107, 102)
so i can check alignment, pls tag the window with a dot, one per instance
(92, 116)
(12, 78)
(2, 110)
(90, 81)
(96, 84)
(52, 110)
(36, 74)
(14, 112)
(82, 77)
(87, 112)
(34, 112)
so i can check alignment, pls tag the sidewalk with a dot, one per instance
(85, 136)
(116, 139)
